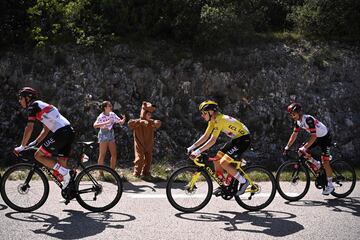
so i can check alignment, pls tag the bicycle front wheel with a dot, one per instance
(292, 180)
(99, 188)
(189, 189)
(344, 178)
(260, 192)
(24, 187)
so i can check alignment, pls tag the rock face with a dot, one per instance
(254, 84)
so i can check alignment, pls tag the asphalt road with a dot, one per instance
(145, 213)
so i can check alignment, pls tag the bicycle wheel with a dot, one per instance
(24, 187)
(344, 178)
(99, 188)
(292, 180)
(189, 189)
(261, 190)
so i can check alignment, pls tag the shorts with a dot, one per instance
(59, 142)
(324, 143)
(106, 135)
(236, 147)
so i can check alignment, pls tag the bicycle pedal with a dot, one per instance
(218, 194)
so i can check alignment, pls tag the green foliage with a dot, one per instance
(200, 23)
(328, 18)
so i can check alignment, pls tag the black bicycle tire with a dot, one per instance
(104, 169)
(43, 179)
(269, 200)
(181, 208)
(307, 186)
(347, 193)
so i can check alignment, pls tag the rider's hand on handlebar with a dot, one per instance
(286, 150)
(19, 149)
(32, 144)
(195, 154)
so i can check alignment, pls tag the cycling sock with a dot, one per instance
(240, 178)
(330, 183)
(63, 171)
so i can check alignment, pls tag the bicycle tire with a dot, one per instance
(11, 176)
(287, 185)
(343, 170)
(106, 179)
(177, 190)
(267, 190)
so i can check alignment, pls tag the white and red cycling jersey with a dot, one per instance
(47, 114)
(311, 125)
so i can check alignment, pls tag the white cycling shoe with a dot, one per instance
(328, 190)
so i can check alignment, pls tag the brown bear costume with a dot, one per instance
(143, 131)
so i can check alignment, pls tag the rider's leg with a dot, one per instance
(45, 158)
(224, 162)
(113, 159)
(218, 169)
(328, 169)
(50, 162)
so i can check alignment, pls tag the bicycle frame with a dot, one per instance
(213, 175)
(48, 171)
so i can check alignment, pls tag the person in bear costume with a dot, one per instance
(143, 131)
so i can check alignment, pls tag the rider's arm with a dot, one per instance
(42, 135)
(200, 141)
(27, 133)
(291, 140)
(293, 136)
(208, 144)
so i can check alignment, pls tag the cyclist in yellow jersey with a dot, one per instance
(240, 141)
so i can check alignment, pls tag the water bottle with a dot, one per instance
(58, 176)
(220, 175)
(228, 180)
(314, 164)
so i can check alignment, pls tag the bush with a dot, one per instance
(328, 18)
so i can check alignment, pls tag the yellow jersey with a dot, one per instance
(232, 127)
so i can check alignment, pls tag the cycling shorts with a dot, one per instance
(236, 146)
(324, 143)
(59, 142)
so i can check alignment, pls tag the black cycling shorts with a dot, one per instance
(324, 143)
(59, 143)
(236, 147)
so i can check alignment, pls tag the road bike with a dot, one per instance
(190, 188)
(25, 187)
(293, 178)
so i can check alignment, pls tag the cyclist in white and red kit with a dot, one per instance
(59, 142)
(319, 136)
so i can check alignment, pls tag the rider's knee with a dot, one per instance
(224, 161)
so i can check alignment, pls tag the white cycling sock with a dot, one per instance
(240, 178)
(63, 171)
(330, 183)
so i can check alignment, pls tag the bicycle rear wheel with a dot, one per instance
(189, 189)
(344, 178)
(292, 180)
(24, 187)
(99, 188)
(261, 190)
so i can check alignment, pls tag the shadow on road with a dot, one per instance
(76, 226)
(342, 205)
(2, 207)
(268, 222)
(137, 188)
